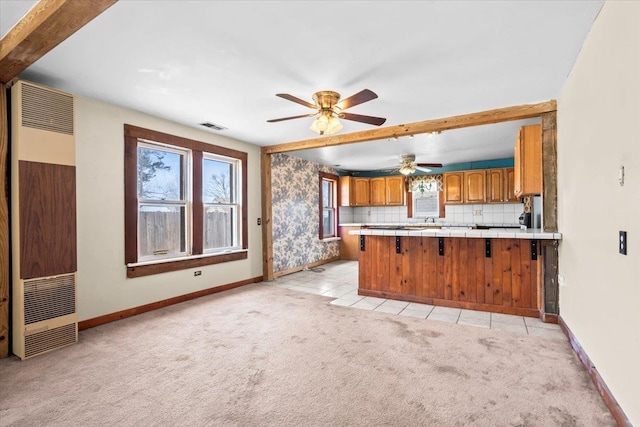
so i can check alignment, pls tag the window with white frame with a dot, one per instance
(185, 203)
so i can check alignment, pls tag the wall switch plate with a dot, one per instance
(477, 212)
(259, 221)
(562, 281)
(622, 242)
(197, 273)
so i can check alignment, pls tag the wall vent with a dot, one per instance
(50, 339)
(46, 109)
(48, 298)
(212, 126)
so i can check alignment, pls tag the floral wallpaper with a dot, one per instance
(295, 193)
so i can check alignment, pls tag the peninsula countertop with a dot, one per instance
(450, 230)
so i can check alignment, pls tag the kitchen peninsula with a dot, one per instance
(497, 270)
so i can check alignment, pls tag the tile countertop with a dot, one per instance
(494, 232)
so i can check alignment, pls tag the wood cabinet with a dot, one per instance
(527, 158)
(453, 183)
(462, 275)
(349, 244)
(354, 191)
(495, 186)
(378, 191)
(394, 190)
(509, 186)
(474, 186)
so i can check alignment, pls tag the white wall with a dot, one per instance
(103, 287)
(598, 131)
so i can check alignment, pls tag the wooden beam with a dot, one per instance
(549, 172)
(4, 225)
(44, 27)
(518, 112)
(267, 224)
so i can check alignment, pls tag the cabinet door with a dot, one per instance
(453, 187)
(349, 244)
(395, 190)
(495, 184)
(377, 191)
(528, 161)
(360, 192)
(517, 168)
(474, 186)
(509, 186)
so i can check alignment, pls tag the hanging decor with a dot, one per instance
(424, 183)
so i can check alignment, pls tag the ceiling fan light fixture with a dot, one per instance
(334, 126)
(407, 169)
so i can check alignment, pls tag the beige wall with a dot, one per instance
(599, 131)
(102, 284)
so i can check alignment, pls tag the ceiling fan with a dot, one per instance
(408, 165)
(329, 109)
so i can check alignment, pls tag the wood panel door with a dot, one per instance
(360, 192)
(509, 186)
(349, 244)
(453, 183)
(528, 161)
(474, 186)
(394, 190)
(495, 186)
(378, 192)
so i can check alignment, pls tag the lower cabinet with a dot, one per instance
(452, 271)
(349, 244)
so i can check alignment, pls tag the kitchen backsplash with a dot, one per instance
(507, 213)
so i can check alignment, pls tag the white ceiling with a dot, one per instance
(224, 61)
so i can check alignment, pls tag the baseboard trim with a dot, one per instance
(607, 396)
(302, 267)
(108, 318)
(549, 317)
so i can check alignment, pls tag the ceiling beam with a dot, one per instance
(506, 114)
(44, 27)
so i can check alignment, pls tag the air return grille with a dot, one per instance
(49, 339)
(46, 109)
(49, 297)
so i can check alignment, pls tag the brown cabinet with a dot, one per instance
(453, 183)
(378, 191)
(509, 186)
(528, 161)
(495, 186)
(474, 186)
(394, 188)
(354, 191)
(349, 244)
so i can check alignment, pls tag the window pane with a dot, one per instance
(217, 182)
(327, 222)
(219, 224)
(161, 230)
(160, 174)
(326, 193)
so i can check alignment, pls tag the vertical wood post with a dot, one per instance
(4, 224)
(549, 172)
(550, 291)
(267, 224)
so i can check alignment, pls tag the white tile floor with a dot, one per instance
(339, 280)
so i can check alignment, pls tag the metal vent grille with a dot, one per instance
(46, 109)
(49, 297)
(212, 126)
(50, 339)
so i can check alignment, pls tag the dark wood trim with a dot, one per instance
(108, 318)
(5, 281)
(528, 312)
(550, 292)
(506, 114)
(302, 267)
(329, 176)
(609, 400)
(44, 27)
(131, 136)
(197, 225)
(549, 172)
(183, 264)
(267, 225)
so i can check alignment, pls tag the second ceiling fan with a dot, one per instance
(329, 109)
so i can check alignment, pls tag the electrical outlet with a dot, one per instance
(562, 281)
(622, 241)
(477, 212)
(368, 213)
(259, 221)
(197, 273)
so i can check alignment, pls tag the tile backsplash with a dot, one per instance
(495, 213)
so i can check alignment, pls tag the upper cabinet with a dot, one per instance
(495, 186)
(510, 186)
(474, 186)
(354, 191)
(379, 191)
(453, 183)
(528, 161)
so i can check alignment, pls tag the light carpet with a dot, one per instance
(266, 356)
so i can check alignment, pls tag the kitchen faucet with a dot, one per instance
(430, 219)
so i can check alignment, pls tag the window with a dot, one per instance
(328, 202)
(184, 203)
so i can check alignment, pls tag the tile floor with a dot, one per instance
(339, 280)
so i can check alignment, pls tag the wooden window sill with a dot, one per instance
(163, 266)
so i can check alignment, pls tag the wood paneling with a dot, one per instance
(550, 291)
(549, 173)
(267, 215)
(349, 244)
(506, 114)
(464, 277)
(48, 244)
(45, 26)
(4, 225)
(107, 318)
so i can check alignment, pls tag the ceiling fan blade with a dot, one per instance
(360, 97)
(296, 100)
(289, 118)
(364, 119)
(429, 165)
